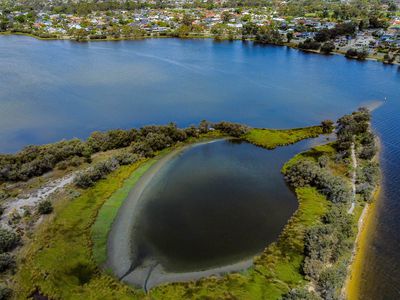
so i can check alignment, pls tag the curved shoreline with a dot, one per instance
(119, 248)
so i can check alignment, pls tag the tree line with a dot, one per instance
(36, 160)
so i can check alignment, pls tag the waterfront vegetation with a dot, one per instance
(61, 260)
(272, 138)
(63, 257)
(359, 29)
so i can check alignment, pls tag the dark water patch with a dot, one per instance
(213, 205)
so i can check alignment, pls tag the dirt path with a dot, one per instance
(353, 178)
(17, 205)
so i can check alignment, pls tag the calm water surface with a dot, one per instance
(60, 89)
(215, 204)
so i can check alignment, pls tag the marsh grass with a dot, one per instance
(272, 138)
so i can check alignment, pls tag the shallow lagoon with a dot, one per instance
(215, 204)
(205, 210)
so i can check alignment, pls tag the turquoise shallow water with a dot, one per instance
(51, 90)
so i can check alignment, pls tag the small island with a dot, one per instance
(60, 202)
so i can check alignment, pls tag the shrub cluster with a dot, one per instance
(307, 172)
(7, 261)
(340, 29)
(45, 207)
(98, 171)
(5, 292)
(309, 44)
(355, 128)
(301, 294)
(327, 47)
(8, 240)
(324, 245)
(232, 129)
(367, 179)
(354, 53)
(36, 160)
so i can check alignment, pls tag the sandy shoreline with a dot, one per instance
(120, 250)
(365, 224)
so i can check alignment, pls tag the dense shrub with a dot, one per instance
(327, 47)
(7, 262)
(309, 44)
(142, 149)
(306, 172)
(98, 171)
(327, 126)
(83, 180)
(301, 294)
(232, 129)
(318, 243)
(113, 139)
(354, 53)
(351, 126)
(331, 281)
(8, 240)
(45, 207)
(5, 292)
(126, 158)
(169, 131)
(192, 131)
(204, 126)
(348, 28)
(325, 243)
(367, 179)
(312, 267)
(158, 141)
(37, 160)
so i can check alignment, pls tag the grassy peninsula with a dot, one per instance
(60, 257)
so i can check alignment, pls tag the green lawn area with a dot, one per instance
(272, 138)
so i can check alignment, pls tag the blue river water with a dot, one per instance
(50, 90)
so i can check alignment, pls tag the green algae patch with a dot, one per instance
(272, 138)
(109, 211)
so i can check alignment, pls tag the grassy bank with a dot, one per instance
(109, 211)
(272, 138)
